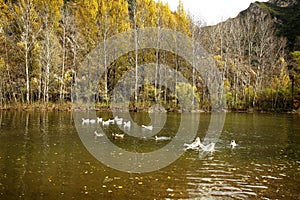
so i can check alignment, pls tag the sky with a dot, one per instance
(212, 11)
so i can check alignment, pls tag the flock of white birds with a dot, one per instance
(195, 145)
(121, 122)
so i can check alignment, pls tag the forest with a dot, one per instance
(43, 42)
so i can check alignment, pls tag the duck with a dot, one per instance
(118, 119)
(105, 123)
(85, 121)
(208, 148)
(92, 121)
(111, 121)
(98, 134)
(147, 127)
(233, 144)
(117, 136)
(119, 122)
(194, 145)
(99, 119)
(162, 138)
(127, 124)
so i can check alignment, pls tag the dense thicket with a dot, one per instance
(42, 43)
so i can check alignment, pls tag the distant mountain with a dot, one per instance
(286, 15)
(284, 3)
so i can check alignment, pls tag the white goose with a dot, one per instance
(85, 121)
(98, 134)
(99, 119)
(162, 138)
(119, 122)
(117, 136)
(111, 121)
(92, 121)
(194, 145)
(127, 124)
(105, 123)
(233, 144)
(118, 119)
(147, 127)
(209, 148)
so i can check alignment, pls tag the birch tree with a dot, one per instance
(27, 22)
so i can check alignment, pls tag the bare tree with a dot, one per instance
(197, 34)
(47, 55)
(26, 19)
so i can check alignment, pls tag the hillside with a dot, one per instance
(287, 17)
(259, 53)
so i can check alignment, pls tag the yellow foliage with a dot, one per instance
(226, 85)
(218, 57)
(296, 56)
(183, 23)
(281, 60)
(2, 65)
(52, 8)
(146, 13)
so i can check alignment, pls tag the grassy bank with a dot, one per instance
(103, 107)
(38, 106)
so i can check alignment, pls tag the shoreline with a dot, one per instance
(69, 107)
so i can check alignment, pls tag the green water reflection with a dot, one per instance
(42, 157)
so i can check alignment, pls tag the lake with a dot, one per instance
(42, 156)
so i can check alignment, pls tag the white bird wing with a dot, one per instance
(147, 127)
(209, 147)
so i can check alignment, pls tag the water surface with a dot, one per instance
(42, 157)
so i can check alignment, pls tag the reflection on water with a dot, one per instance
(42, 157)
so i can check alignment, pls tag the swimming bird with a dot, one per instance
(119, 122)
(99, 119)
(209, 148)
(162, 138)
(117, 136)
(147, 127)
(118, 119)
(98, 134)
(92, 121)
(194, 145)
(111, 121)
(127, 124)
(233, 144)
(85, 121)
(105, 123)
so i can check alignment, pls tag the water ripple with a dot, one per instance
(219, 179)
